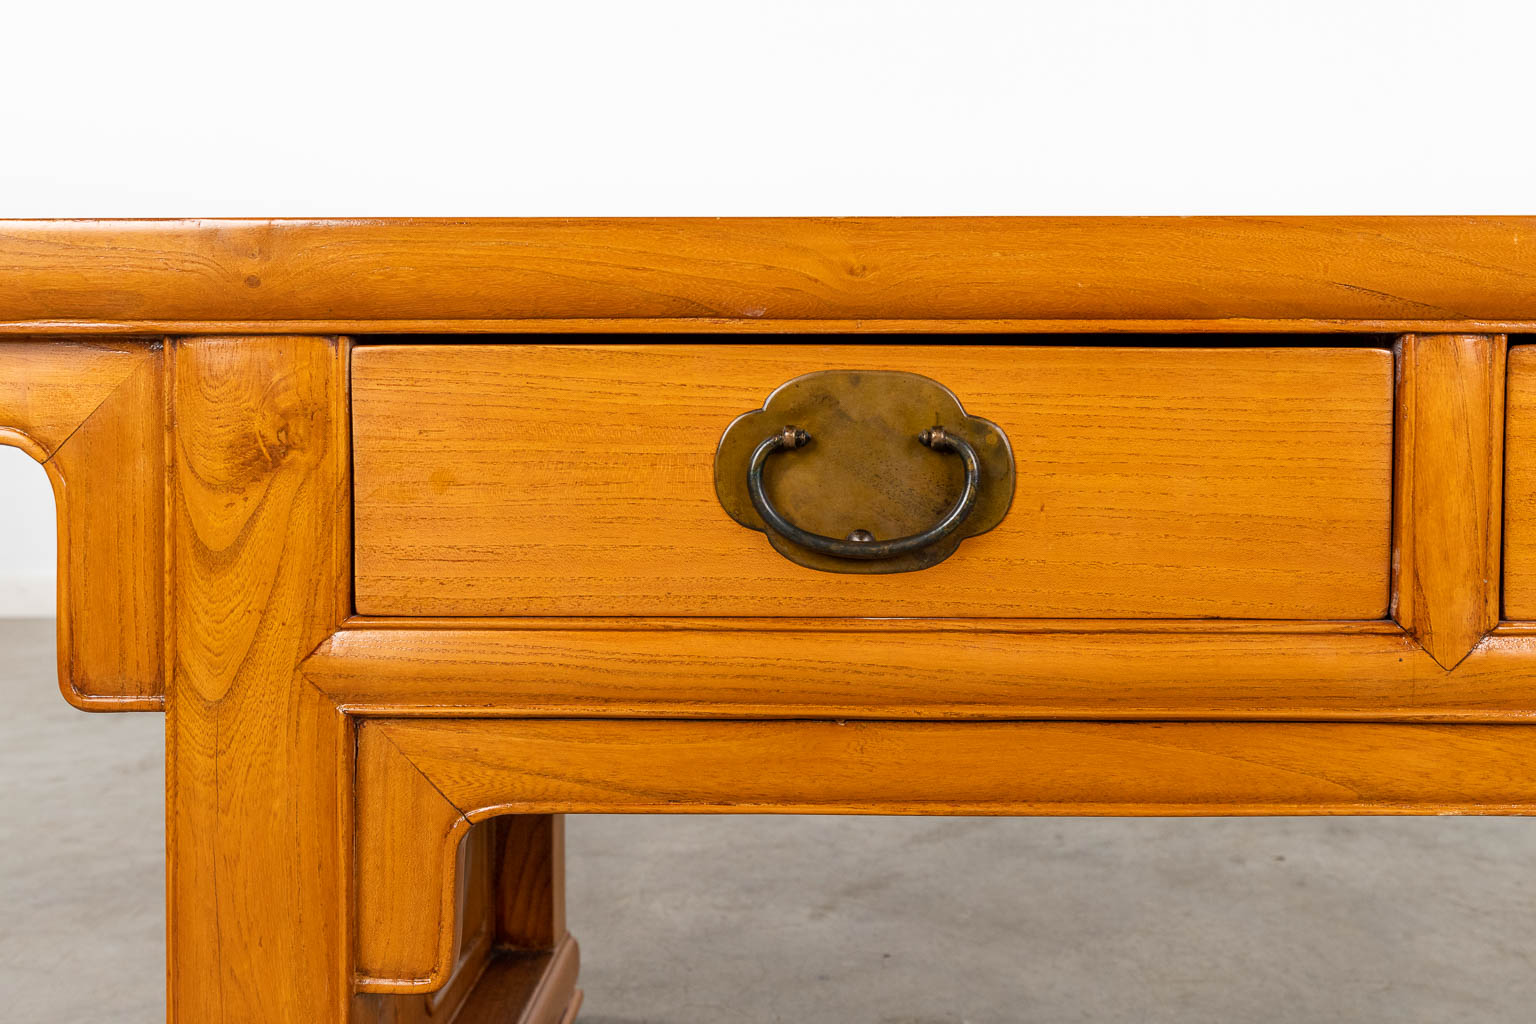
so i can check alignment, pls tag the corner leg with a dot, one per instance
(257, 776)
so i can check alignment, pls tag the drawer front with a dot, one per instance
(1520, 484)
(530, 479)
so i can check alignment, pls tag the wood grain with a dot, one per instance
(534, 988)
(1448, 503)
(1129, 330)
(93, 414)
(1041, 268)
(530, 881)
(514, 988)
(204, 497)
(1520, 485)
(498, 766)
(49, 387)
(916, 670)
(483, 953)
(937, 624)
(411, 877)
(578, 480)
(258, 761)
(109, 486)
(474, 922)
(405, 908)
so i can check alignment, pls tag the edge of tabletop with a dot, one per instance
(770, 275)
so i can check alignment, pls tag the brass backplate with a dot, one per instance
(865, 468)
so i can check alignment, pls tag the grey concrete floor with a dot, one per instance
(901, 921)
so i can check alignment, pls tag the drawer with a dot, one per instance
(1520, 484)
(558, 479)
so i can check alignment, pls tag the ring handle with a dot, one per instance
(860, 544)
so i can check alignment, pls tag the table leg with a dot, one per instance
(258, 787)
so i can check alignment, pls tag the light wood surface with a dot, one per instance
(92, 414)
(475, 919)
(505, 918)
(1520, 485)
(513, 988)
(1185, 613)
(257, 776)
(49, 387)
(1130, 331)
(578, 480)
(410, 919)
(494, 767)
(174, 274)
(404, 943)
(529, 851)
(1365, 673)
(1448, 503)
(531, 988)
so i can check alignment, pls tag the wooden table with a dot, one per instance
(415, 531)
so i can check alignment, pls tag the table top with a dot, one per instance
(900, 275)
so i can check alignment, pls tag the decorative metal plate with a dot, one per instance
(867, 471)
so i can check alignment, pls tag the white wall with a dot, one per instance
(762, 107)
(27, 548)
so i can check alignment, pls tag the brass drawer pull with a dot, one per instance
(861, 543)
(865, 470)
